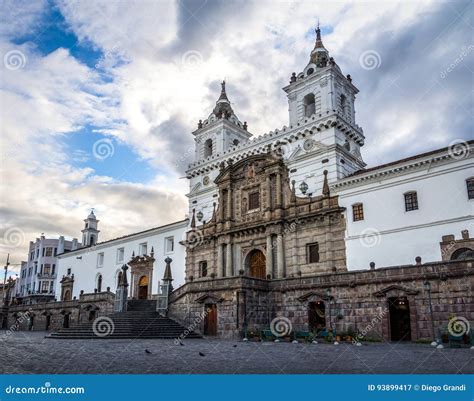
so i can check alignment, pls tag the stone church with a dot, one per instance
(290, 230)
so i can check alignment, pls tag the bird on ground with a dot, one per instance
(147, 352)
(201, 354)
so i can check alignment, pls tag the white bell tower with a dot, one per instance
(321, 99)
(90, 233)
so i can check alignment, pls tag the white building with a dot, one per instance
(394, 212)
(96, 267)
(37, 279)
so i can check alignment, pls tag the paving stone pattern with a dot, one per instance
(30, 352)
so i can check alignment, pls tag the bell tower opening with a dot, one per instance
(309, 105)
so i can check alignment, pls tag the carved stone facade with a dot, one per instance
(141, 272)
(263, 230)
(379, 304)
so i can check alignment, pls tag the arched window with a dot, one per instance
(309, 105)
(203, 268)
(208, 148)
(99, 283)
(92, 240)
(462, 254)
(343, 103)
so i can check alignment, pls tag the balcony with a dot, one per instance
(46, 275)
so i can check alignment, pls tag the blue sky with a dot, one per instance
(99, 98)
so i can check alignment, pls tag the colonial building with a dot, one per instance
(292, 225)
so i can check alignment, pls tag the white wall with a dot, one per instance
(83, 262)
(400, 236)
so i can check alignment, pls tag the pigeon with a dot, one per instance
(148, 352)
(235, 345)
(201, 354)
(180, 342)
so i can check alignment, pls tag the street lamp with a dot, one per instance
(303, 187)
(199, 215)
(427, 286)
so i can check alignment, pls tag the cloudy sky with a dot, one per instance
(99, 98)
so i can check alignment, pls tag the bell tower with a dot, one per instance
(90, 233)
(321, 99)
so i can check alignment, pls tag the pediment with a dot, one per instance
(208, 299)
(395, 290)
(314, 296)
(196, 188)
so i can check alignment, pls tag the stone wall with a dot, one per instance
(357, 301)
(51, 316)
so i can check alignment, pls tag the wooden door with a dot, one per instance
(257, 264)
(400, 328)
(210, 322)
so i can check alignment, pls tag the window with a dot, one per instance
(55, 251)
(47, 269)
(309, 105)
(470, 188)
(312, 253)
(53, 269)
(343, 103)
(411, 201)
(169, 244)
(203, 268)
(358, 212)
(45, 286)
(32, 255)
(208, 148)
(69, 271)
(254, 200)
(120, 255)
(49, 252)
(100, 259)
(142, 249)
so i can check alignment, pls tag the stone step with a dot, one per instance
(130, 324)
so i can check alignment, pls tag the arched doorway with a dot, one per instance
(316, 316)
(66, 321)
(399, 310)
(48, 322)
(256, 264)
(143, 287)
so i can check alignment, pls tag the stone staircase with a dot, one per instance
(140, 321)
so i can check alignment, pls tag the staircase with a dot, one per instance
(140, 321)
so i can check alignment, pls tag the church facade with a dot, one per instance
(292, 226)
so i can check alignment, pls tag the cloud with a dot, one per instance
(159, 73)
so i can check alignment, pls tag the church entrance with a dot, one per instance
(399, 311)
(143, 287)
(210, 322)
(256, 263)
(66, 321)
(316, 316)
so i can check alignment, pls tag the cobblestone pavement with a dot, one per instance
(27, 352)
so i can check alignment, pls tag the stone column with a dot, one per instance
(221, 205)
(228, 263)
(280, 257)
(278, 190)
(269, 260)
(219, 260)
(229, 203)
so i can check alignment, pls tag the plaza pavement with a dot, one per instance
(30, 352)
